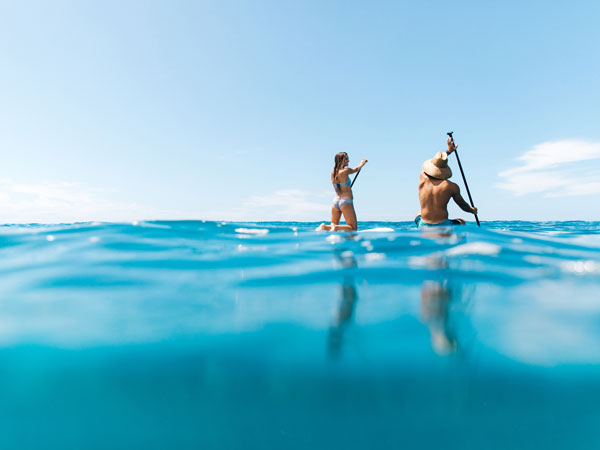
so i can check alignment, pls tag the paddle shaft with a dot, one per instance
(465, 180)
(352, 184)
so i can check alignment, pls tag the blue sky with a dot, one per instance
(233, 110)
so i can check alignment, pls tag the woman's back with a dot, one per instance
(342, 183)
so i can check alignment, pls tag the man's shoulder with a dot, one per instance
(447, 186)
(451, 186)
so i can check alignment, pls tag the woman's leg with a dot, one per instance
(349, 217)
(336, 215)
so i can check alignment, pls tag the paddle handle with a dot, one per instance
(466, 185)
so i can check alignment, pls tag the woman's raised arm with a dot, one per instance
(357, 168)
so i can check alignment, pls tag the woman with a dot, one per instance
(343, 201)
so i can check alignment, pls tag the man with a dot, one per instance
(435, 191)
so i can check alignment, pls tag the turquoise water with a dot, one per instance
(209, 335)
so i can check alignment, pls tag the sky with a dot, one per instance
(234, 110)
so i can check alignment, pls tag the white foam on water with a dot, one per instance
(334, 238)
(533, 259)
(374, 256)
(153, 225)
(590, 240)
(367, 245)
(377, 230)
(552, 232)
(254, 231)
(254, 248)
(474, 248)
(580, 267)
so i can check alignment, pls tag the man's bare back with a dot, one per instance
(435, 194)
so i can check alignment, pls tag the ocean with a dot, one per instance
(219, 335)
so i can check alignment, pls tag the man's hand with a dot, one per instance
(363, 162)
(474, 210)
(451, 146)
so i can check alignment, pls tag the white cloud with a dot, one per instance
(556, 169)
(54, 202)
(284, 204)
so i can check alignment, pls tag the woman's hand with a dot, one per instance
(360, 166)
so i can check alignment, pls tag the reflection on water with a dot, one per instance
(435, 301)
(347, 302)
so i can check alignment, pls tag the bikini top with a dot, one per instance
(347, 183)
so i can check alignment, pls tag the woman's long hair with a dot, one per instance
(338, 163)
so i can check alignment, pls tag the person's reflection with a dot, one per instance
(435, 301)
(347, 304)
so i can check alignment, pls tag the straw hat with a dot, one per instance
(437, 167)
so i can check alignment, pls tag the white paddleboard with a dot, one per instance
(377, 230)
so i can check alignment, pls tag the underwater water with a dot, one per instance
(207, 335)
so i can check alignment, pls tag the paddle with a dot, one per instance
(463, 174)
(352, 184)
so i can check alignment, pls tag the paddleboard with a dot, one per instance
(377, 230)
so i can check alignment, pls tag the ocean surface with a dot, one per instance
(215, 335)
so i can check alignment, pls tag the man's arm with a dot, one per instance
(461, 201)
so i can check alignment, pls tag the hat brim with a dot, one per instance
(434, 171)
